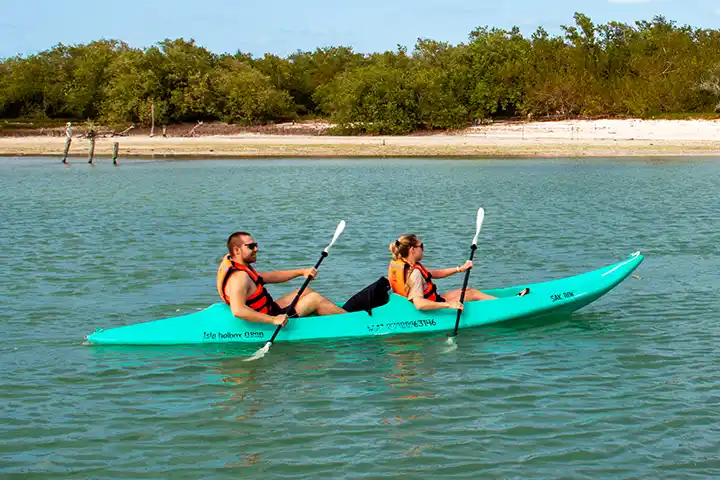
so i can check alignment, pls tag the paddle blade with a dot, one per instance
(451, 345)
(338, 231)
(260, 353)
(478, 224)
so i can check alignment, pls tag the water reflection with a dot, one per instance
(244, 382)
(407, 357)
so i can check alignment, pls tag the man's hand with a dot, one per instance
(280, 320)
(310, 273)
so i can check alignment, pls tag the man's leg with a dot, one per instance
(318, 304)
(286, 300)
(310, 302)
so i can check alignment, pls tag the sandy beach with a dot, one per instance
(584, 138)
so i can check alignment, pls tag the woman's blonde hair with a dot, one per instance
(400, 248)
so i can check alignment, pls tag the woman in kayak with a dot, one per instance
(409, 278)
(243, 288)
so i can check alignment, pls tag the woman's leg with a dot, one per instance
(470, 295)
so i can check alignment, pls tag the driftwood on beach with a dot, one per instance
(125, 132)
(191, 133)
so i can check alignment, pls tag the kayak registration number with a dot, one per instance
(393, 326)
(561, 296)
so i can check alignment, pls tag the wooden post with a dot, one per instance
(68, 141)
(164, 131)
(152, 115)
(116, 147)
(91, 153)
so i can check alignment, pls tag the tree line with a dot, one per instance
(647, 68)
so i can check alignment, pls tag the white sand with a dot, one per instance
(561, 138)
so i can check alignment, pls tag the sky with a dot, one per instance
(284, 26)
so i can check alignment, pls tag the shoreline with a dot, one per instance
(574, 138)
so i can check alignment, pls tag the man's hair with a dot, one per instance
(234, 240)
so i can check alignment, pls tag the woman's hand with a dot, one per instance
(455, 305)
(467, 266)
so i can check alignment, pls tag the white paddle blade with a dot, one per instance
(338, 231)
(451, 345)
(259, 354)
(478, 224)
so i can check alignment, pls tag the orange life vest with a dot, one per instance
(398, 273)
(260, 300)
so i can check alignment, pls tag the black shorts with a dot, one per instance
(276, 309)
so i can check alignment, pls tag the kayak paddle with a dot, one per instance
(266, 348)
(473, 247)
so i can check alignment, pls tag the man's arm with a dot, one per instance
(236, 288)
(282, 276)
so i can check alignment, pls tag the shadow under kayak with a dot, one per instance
(216, 324)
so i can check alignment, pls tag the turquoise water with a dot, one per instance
(627, 387)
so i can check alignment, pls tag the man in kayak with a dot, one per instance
(409, 278)
(243, 288)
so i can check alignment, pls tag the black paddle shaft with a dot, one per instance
(473, 247)
(291, 308)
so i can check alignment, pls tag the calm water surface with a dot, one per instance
(628, 387)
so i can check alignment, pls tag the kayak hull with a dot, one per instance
(216, 324)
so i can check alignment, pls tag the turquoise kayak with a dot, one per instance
(216, 324)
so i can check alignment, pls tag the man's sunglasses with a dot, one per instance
(252, 246)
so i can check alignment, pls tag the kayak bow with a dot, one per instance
(216, 324)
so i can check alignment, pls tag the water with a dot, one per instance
(627, 387)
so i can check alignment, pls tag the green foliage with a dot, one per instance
(498, 61)
(547, 90)
(88, 67)
(442, 81)
(372, 99)
(303, 72)
(247, 96)
(650, 68)
(134, 84)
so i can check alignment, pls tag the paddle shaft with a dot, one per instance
(291, 308)
(473, 247)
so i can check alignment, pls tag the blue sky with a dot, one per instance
(283, 26)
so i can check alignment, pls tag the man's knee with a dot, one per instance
(310, 298)
(315, 298)
(472, 293)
